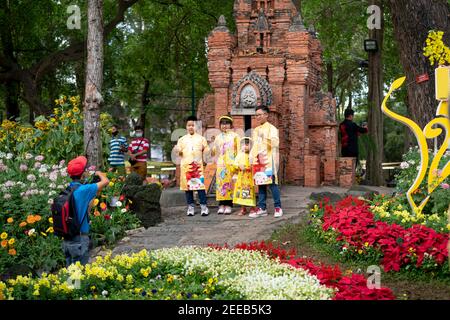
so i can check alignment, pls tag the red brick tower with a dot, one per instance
(274, 60)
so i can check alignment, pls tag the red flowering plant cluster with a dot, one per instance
(349, 287)
(357, 232)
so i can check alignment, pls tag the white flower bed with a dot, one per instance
(251, 273)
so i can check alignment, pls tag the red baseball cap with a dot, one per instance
(77, 166)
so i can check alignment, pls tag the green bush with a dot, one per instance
(27, 187)
(440, 199)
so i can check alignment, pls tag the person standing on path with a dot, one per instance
(349, 132)
(118, 147)
(264, 158)
(137, 151)
(192, 149)
(225, 147)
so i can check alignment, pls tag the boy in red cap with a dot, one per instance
(77, 248)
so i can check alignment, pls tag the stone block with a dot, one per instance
(173, 197)
(312, 171)
(347, 172)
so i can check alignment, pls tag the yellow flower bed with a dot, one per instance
(59, 136)
(401, 215)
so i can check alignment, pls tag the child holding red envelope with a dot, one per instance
(191, 149)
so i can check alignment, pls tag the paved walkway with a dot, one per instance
(180, 230)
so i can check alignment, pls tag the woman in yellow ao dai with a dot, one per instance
(225, 149)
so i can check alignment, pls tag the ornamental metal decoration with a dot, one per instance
(436, 127)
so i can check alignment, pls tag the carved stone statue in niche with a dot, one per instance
(249, 92)
(249, 97)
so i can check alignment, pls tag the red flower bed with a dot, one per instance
(268, 248)
(353, 287)
(355, 224)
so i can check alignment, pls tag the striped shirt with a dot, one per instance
(117, 158)
(137, 144)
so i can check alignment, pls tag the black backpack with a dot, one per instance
(65, 222)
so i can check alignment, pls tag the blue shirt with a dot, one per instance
(83, 197)
(117, 158)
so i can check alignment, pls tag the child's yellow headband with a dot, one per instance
(226, 117)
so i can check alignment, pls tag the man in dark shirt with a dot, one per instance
(349, 135)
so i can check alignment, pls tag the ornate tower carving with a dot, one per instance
(274, 60)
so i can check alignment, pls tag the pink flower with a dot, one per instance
(445, 186)
(39, 158)
(53, 176)
(23, 167)
(37, 165)
(9, 184)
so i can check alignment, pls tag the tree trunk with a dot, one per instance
(32, 97)
(12, 88)
(94, 81)
(144, 104)
(375, 121)
(12, 100)
(80, 77)
(412, 20)
(350, 100)
(12, 71)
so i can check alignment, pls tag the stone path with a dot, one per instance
(180, 230)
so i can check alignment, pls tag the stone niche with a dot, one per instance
(248, 93)
(274, 60)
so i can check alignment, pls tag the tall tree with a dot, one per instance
(44, 44)
(375, 97)
(12, 88)
(412, 19)
(341, 29)
(94, 81)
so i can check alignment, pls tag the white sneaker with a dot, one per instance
(205, 210)
(191, 211)
(227, 210)
(221, 210)
(278, 213)
(259, 213)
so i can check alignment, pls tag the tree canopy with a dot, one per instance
(155, 56)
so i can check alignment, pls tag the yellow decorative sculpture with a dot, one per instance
(433, 129)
